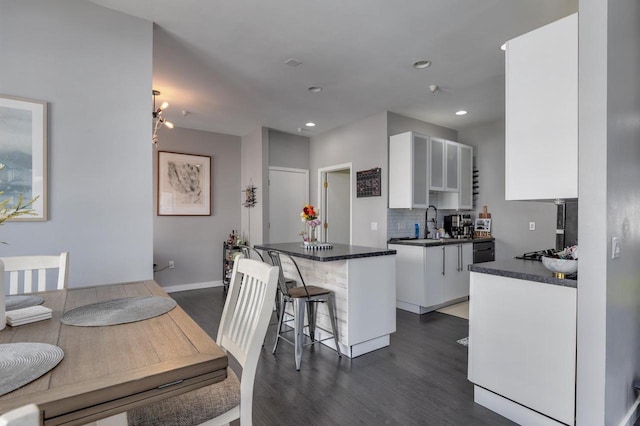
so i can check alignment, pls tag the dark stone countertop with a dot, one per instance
(338, 252)
(530, 270)
(421, 242)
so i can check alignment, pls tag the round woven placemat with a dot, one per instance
(22, 363)
(118, 311)
(20, 301)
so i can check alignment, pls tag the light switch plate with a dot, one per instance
(615, 247)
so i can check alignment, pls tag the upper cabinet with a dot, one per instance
(408, 180)
(443, 161)
(437, 152)
(542, 113)
(419, 164)
(460, 168)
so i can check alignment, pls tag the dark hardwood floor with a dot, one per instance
(420, 379)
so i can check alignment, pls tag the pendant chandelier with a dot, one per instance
(158, 119)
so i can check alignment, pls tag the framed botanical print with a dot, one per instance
(23, 154)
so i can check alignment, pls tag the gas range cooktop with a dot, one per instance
(536, 255)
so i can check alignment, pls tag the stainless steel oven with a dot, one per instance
(484, 251)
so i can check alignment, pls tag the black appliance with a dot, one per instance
(484, 251)
(458, 225)
(567, 224)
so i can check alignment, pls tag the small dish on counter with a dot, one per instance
(560, 267)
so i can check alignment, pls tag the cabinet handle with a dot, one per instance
(442, 260)
(460, 257)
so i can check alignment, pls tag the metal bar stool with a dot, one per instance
(300, 297)
(247, 250)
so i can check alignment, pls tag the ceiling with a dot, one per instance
(223, 61)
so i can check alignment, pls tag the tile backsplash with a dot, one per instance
(401, 222)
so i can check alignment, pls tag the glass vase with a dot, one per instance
(313, 235)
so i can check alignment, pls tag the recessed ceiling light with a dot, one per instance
(310, 124)
(315, 89)
(461, 112)
(421, 64)
(504, 47)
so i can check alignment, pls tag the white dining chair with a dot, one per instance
(22, 269)
(245, 318)
(28, 415)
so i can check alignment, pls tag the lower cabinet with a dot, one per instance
(428, 278)
(522, 356)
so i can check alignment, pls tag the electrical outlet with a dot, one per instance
(171, 264)
(532, 226)
(374, 226)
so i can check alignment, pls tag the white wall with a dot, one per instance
(255, 171)
(397, 123)
(364, 143)
(609, 289)
(287, 150)
(195, 242)
(509, 219)
(93, 67)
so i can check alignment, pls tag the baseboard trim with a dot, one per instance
(632, 414)
(511, 410)
(193, 286)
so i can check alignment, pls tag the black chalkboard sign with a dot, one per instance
(368, 183)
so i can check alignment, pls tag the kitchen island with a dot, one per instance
(522, 341)
(363, 282)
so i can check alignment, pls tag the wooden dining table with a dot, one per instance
(109, 370)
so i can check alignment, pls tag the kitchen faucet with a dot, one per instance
(435, 220)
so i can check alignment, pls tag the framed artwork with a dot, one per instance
(483, 225)
(368, 183)
(184, 184)
(23, 152)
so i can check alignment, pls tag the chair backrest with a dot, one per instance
(274, 255)
(245, 319)
(28, 415)
(248, 250)
(26, 266)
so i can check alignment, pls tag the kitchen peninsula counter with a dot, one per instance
(522, 269)
(522, 329)
(363, 281)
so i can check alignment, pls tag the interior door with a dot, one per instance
(338, 206)
(288, 193)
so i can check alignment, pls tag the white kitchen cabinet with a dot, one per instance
(463, 199)
(443, 165)
(437, 164)
(408, 163)
(410, 274)
(435, 276)
(541, 152)
(430, 277)
(522, 356)
(457, 258)
(452, 182)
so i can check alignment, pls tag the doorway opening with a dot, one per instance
(335, 195)
(288, 193)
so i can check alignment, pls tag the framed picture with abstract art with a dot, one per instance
(184, 184)
(23, 154)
